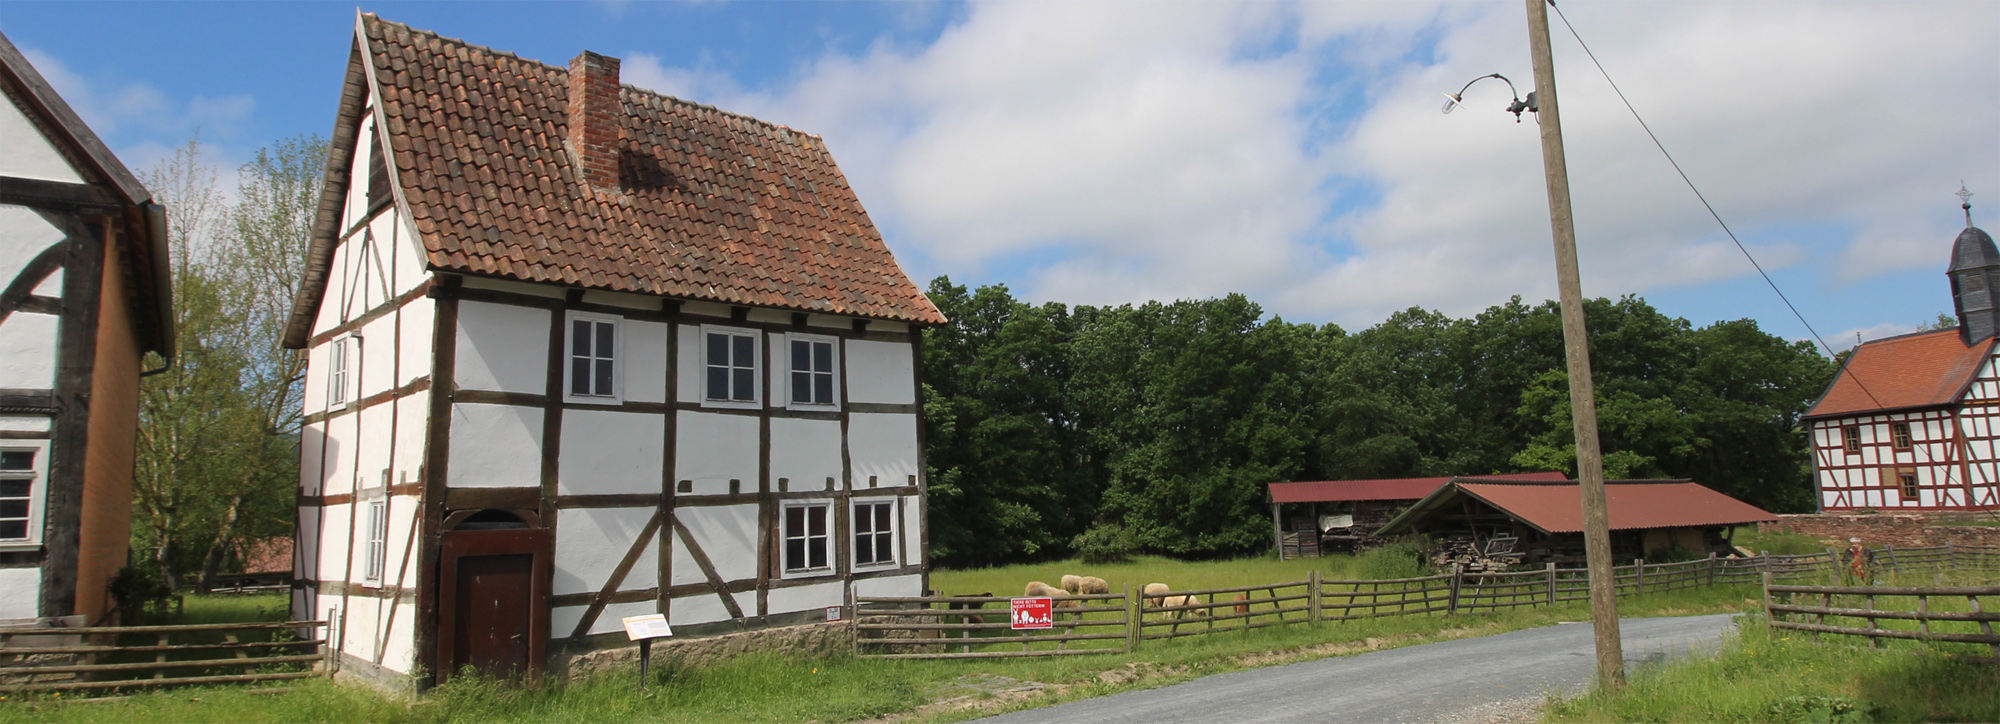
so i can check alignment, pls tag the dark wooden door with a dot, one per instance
(493, 613)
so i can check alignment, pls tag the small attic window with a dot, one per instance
(378, 178)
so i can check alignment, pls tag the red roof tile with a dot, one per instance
(730, 209)
(1336, 491)
(1633, 505)
(1914, 370)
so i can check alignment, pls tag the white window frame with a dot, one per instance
(756, 400)
(377, 550)
(617, 395)
(829, 539)
(339, 372)
(790, 402)
(38, 491)
(854, 532)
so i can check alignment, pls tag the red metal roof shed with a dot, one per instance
(1558, 507)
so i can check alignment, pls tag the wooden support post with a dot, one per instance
(1893, 565)
(1313, 596)
(1457, 577)
(1985, 627)
(1923, 614)
(1277, 530)
(1872, 627)
(1768, 617)
(1131, 620)
(1638, 576)
(1552, 582)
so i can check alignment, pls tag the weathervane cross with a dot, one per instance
(1965, 201)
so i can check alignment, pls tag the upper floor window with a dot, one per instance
(593, 357)
(1851, 439)
(806, 538)
(874, 532)
(813, 369)
(730, 357)
(1899, 435)
(337, 374)
(20, 471)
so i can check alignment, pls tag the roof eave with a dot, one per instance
(76, 132)
(333, 195)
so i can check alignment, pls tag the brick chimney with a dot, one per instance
(594, 114)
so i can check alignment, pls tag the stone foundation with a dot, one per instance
(807, 641)
(1904, 530)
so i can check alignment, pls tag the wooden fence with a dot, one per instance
(937, 627)
(1876, 604)
(131, 657)
(949, 627)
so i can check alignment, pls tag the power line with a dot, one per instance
(1704, 199)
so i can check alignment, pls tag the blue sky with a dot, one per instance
(1292, 151)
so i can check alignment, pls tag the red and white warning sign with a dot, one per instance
(1033, 613)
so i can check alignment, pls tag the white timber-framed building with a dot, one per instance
(579, 351)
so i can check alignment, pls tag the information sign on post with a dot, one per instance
(1031, 613)
(644, 629)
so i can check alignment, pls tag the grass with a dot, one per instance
(1777, 543)
(777, 688)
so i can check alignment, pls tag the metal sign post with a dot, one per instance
(644, 629)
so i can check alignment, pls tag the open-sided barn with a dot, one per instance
(1308, 517)
(1535, 522)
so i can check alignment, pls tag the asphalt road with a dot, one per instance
(1424, 683)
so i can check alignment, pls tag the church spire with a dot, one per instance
(1975, 270)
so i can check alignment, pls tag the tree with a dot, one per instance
(217, 450)
(1943, 321)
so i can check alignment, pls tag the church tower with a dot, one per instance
(1975, 268)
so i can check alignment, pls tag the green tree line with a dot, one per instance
(1168, 419)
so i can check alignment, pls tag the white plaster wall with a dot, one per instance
(312, 391)
(419, 318)
(339, 444)
(881, 372)
(374, 442)
(495, 446)
(410, 256)
(591, 541)
(29, 153)
(28, 351)
(399, 654)
(727, 534)
(912, 532)
(51, 285)
(311, 476)
(884, 446)
(801, 598)
(357, 171)
(645, 365)
(502, 347)
(562, 621)
(687, 371)
(699, 608)
(712, 448)
(806, 451)
(911, 585)
(378, 357)
(305, 560)
(23, 235)
(411, 436)
(20, 591)
(610, 452)
(364, 617)
(332, 303)
(333, 563)
(24, 424)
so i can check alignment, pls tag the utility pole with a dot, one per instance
(1576, 347)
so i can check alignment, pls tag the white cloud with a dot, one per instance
(1296, 152)
(133, 116)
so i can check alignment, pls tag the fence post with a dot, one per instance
(1552, 582)
(1833, 559)
(1638, 576)
(1451, 604)
(1131, 620)
(1951, 555)
(1894, 566)
(1765, 556)
(1313, 595)
(1711, 570)
(854, 620)
(1768, 619)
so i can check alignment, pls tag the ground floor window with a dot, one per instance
(1906, 482)
(19, 471)
(874, 533)
(806, 538)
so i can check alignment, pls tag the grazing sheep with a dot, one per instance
(1073, 584)
(1172, 601)
(1156, 594)
(1038, 588)
(1092, 585)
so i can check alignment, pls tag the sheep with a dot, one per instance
(1156, 594)
(1072, 584)
(1172, 601)
(1038, 588)
(1093, 585)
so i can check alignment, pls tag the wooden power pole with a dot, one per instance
(1576, 347)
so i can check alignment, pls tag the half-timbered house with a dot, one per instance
(84, 295)
(1910, 422)
(580, 351)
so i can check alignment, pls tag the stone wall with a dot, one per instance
(1875, 530)
(807, 641)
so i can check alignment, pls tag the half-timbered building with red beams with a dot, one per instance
(578, 351)
(1910, 422)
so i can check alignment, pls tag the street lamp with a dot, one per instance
(1576, 348)
(1515, 108)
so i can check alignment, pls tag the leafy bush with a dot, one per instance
(1105, 543)
(139, 590)
(1401, 559)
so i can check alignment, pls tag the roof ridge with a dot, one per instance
(1909, 335)
(565, 70)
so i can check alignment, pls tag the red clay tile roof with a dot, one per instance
(1926, 369)
(732, 209)
(1340, 491)
(1558, 507)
